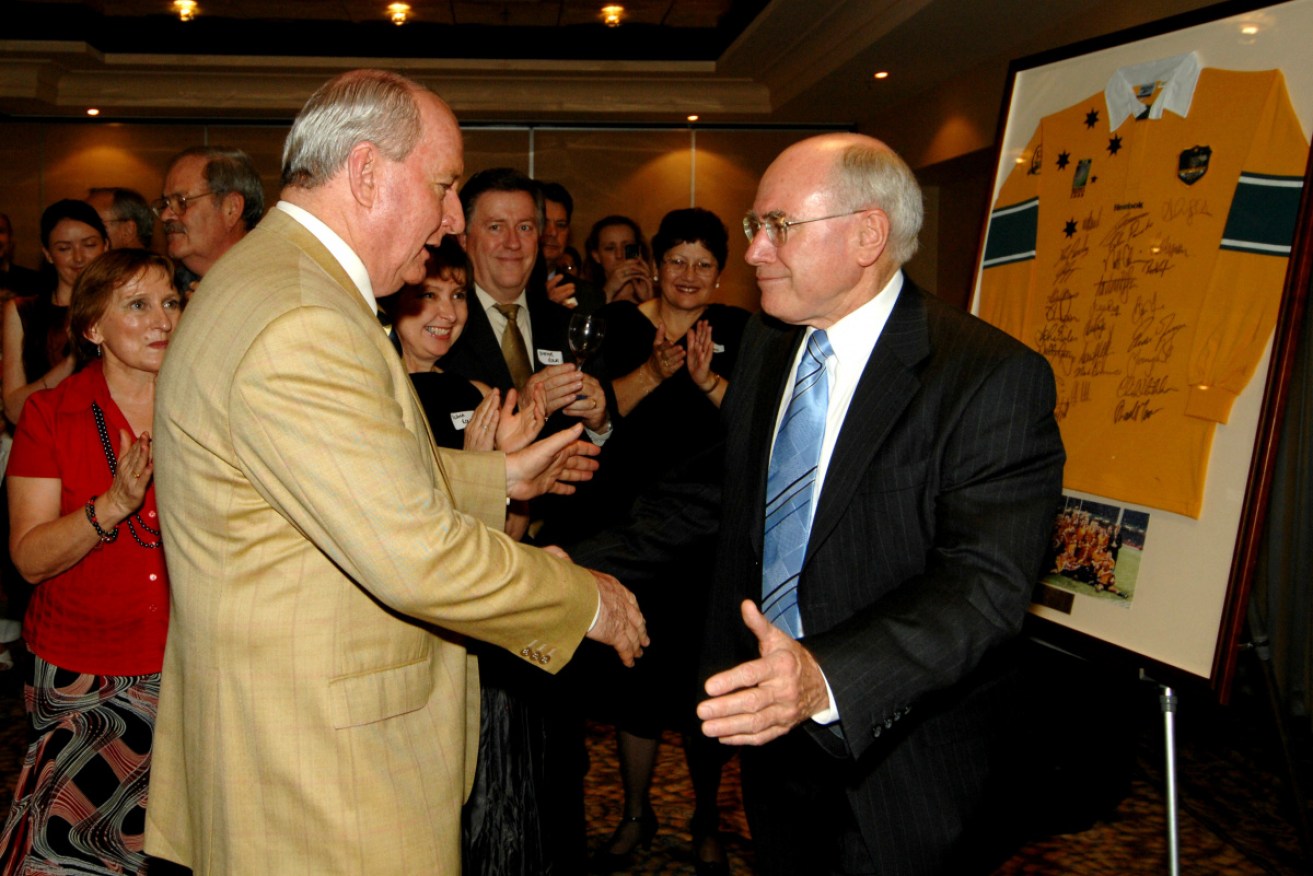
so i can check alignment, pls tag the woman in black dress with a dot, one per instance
(668, 360)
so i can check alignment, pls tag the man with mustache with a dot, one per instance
(212, 197)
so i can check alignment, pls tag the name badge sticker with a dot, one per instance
(550, 357)
(461, 419)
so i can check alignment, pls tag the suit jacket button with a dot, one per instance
(878, 729)
(547, 658)
(525, 652)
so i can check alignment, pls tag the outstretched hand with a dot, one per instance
(619, 622)
(763, 699)
(551, 465)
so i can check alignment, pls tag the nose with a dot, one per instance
(453, 217)
(760, 249)
(446, 308)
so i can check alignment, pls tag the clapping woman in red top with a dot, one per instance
(84, 530)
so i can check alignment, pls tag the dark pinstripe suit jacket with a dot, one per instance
(925, 546)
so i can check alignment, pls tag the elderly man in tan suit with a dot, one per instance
(318, 711)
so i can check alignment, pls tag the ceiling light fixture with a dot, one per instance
(883, 74)
(92, 111)
(186, 9)
(693, 118)
(1249, 29)
(399, 12)
(612, 14)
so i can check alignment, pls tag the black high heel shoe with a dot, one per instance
(704, 833)
(608, 860)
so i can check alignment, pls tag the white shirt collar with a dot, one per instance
(345, 255)
(1178, 75)
(853, 337)
(487, 302)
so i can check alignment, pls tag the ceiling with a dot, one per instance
(759, 62)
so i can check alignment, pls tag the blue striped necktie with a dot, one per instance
(789, 486)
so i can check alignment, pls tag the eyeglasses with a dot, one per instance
(679, 265)
(777, 227)
(177, 203)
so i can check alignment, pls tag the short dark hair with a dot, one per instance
(131, 205)
(96, 285)
(557, 193)
(692, 225)
(68, 208)
(230, 170)
(445, 258)
(499, 179)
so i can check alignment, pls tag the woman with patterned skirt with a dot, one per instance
(85, 531)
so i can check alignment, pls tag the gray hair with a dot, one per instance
(359, 106)
(871, 175)
(230, 170)
(131, 205)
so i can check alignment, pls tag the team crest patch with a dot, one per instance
(1081, 177)
(1193, 164)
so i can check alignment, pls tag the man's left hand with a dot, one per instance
(765, 698)
(551, 465)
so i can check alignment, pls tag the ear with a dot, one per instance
(364, 164)
(45, 252)
(94, 334)
(872, 236)
(233, 205)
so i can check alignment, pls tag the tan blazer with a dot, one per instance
(318, 712)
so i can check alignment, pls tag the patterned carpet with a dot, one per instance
(1236, 811)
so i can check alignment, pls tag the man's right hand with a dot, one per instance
(619, 622)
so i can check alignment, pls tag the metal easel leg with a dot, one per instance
(1167, 700)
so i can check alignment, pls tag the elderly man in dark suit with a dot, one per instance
(890, 476)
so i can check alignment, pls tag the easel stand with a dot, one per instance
(1167, 702)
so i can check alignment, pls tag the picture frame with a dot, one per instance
(1179, 612)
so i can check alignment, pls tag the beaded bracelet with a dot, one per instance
(105, 537)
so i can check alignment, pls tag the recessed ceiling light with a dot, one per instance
(92, 111)
(1249, 29)
(399, 12)
(186, 9)
(883, 74)
(611, 15)
(693, 118)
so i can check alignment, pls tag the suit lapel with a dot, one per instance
(772, 383)
(481, 356)
(887, 386)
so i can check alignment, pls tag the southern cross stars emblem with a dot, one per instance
(1064, 158)
(1114, 145)
(1070, 228)
(1091, 118)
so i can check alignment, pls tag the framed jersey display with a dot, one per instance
(1148, 236)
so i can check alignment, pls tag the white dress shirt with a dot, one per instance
(498, 321)
(852, 339)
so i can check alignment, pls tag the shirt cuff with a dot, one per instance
(599, 438)
(830, 714)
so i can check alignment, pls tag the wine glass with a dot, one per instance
(585, 336)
